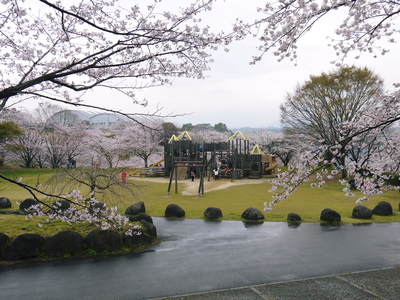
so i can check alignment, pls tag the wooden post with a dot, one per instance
(176, 179)
(201, 184)
(210, 165)
(170, 179)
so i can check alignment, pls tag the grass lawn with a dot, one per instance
(233, 201)
(308, 202)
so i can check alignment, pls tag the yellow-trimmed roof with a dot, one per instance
(184, 135)
(238, 135)
(173, 138)
(256, 150)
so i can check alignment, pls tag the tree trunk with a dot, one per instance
(343, 166)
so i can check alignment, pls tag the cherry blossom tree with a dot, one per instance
(28, 147)
(104, 147)
(143, 142)
(285, 149)
(209, 136)
(367, 26)
(263, 137)
(61, 144)
(58, 50)
(97, 183)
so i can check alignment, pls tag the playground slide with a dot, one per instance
(156, 163)
(139, 170)
(135, 172)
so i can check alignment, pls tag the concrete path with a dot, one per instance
(191, 188)
(377, 284)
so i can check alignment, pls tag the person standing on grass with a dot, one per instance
(123, 175)
(192, 174)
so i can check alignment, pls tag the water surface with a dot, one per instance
(196, 255)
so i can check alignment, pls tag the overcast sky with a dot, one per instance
(240, 94)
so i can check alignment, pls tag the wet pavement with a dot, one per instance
(368, 285)
(197, 256)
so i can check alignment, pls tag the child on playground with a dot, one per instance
(215, 171)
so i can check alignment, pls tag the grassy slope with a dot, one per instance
(13, 225)
(233, 201)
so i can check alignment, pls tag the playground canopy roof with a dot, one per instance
(173, 138)
(184, 136)
(238, 135)
(256, 150)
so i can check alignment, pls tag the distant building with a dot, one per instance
(72, 117)
(105, 119)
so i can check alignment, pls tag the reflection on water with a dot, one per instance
(293, 225)
(362, 224)
(330, 226)
(212, 221)
(248, 224)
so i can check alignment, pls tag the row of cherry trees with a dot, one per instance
(48, 144)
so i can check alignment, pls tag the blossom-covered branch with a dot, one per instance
(58, 50)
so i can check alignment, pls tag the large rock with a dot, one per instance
(4, 240)
(136, 208)
(383, 208)
(329, 215)
(213, 213)
(135, 240)
(252, 214)
(62, 205)
(149, 228)
(5, 202)
(148, 235)
(27, 203)
(65, 242)
(104, 240)
(174, 211)
(141, 217)
(97, 207)
(26, 245)
(292, 217)
(361, 212)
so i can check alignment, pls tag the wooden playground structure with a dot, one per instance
(232, 159)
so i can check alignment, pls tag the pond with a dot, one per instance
(196, 255)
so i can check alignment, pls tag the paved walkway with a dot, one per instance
(191, 188)
(376, 284)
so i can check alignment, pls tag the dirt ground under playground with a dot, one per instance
(191, 188)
